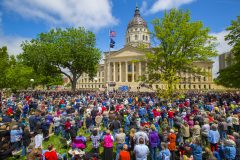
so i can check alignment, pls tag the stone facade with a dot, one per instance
(123, 67)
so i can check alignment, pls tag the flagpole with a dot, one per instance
(108, 59)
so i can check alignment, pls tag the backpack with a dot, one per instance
(108, 142)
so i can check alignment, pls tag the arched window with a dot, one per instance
(136, 37)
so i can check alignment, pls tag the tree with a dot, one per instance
(179, 43)
(230, 76)
(13, 74)
(71, 52)
(4, 64)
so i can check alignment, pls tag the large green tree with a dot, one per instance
(13, 74)
(71, 52)
(230, 76)
(4, 64)
(179, 42)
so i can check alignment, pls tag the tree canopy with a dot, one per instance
(13, 74)
(71, 52)
(230, 76)
(179, 43)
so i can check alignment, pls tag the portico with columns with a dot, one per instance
(124, 67)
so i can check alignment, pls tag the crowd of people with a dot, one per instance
(127, 125)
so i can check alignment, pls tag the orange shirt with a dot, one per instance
(124, 155)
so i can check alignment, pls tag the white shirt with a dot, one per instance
(38, 139)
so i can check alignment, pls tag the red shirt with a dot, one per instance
(124, 155)
(170, 114)
(67, 125)
(51, 155)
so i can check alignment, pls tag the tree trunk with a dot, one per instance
(74, 83)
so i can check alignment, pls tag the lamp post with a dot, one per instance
(31, 81)
(95, 80)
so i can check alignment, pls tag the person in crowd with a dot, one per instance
(108, 146)
(95, 138)
(141, 134)
(154, 142)
(141, 150)
(196, 149)
(165, 153)
(38, 139)
(172, 144)
(124, 153)
(213, 138)
(120, 140)
(185, 130)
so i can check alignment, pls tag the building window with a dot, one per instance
(189, 86)
(99, 86)
(199, 79)
(184, 86)
(146, 38)
(179, 86)
(194, 87)
(199, 86)
(136, 37)
(204, 78)
(204, 86)
(129, 67)
(135, 29)
(194, 79)
(156, 86)
(143, 37)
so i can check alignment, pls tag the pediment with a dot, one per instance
(128, 52)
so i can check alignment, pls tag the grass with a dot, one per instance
(60, 147)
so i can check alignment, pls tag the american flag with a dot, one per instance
(112, 33)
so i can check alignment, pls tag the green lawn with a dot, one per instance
(56, 141)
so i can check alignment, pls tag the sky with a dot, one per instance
(22, 20)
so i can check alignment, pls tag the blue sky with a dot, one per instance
(24, 19)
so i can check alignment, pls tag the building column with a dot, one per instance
(140, 68)
(132, 71)
(114, 72)
(108, 74)
(120, 71)
(126, 63)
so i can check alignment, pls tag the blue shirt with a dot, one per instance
(196, 151)
(229, 152)
(213, 137)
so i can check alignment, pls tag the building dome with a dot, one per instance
(137, 20)
(137, 32)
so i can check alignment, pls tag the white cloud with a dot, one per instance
(92, 14)
(222, 47)
(144, 6)
(161, 5)
(12, 42)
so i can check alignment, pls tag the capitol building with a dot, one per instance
(125, 66)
